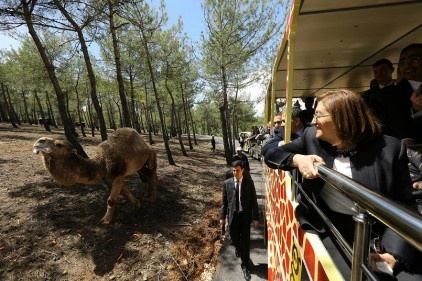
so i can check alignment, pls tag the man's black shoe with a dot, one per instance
(246, 273)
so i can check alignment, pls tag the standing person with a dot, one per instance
(356, 148)
(383, 70)
(240, 206)
(308, 113)
(400, 106)
(212, 143)
(241, 141)
(242, 157)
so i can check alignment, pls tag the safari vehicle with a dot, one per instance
(328, 45)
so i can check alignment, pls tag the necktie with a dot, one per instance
(237, 196)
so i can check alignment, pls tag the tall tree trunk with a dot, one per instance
(44, 120)
(90, 118)
(50, 110)
(147, 115)
(6, 106)
(157, 97)
(132, 100)
(119, 76)
(78, 109)
(223, 117)
(3, 117)
(25, 105)
(141, 120)
(186, 117)
(234, 121)
(89, 68)
(173, 110)
(53, 78)
(193, 126)
(72, 122)
(15, 116)
(173, 122)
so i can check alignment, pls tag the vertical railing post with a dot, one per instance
(360, 246)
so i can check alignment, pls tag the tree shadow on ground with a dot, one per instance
(73, 214)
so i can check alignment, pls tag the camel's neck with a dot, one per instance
(74, 169)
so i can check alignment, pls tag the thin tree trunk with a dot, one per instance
(44, 120)
(223, 116)
(3, 117)
(91, 119)
(193, 126)
(6, 105)
(50, 110)
(186, 118)
(15, 116)
(119, 76)
(134, 118)
(89, 68)
(25, 106)
(157, 98)
(52, 75)
(173, 110)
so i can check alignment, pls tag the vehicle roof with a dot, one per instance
(336, 43)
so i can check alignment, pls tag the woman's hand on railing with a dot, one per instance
(307, 165)
(379, 261)
(417, 185)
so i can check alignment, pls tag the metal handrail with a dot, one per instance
(397, 217)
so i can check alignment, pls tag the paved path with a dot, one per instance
(229, 268)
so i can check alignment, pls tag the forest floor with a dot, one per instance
(51, 232)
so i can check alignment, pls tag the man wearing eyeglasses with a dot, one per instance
(297, 127)
(278, 123)
(401, 107)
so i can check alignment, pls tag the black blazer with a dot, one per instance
(380, 165)
(393, 109)
(247, 197)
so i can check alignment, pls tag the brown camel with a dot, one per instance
(123, 154)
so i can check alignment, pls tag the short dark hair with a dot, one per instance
(237, 163)
(387, 62)
(297, 113)
(309, 99)
(411, 46)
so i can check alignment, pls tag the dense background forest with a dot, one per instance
(104, 64)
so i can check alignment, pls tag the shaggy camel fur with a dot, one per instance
(123, 154)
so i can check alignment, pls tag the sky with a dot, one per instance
(191, 13)
(189, 10)
(193, 23)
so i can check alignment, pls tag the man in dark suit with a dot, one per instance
(401, 106)
(240, 206)
(298, 125)
(240, 156)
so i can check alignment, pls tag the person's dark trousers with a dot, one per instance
(240, 232)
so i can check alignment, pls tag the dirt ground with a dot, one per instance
(51, 232)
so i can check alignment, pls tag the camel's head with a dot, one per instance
(56, 148)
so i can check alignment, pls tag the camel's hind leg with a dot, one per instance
(131, 197)
(151, 171)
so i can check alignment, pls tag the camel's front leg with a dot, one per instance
(112, 200)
